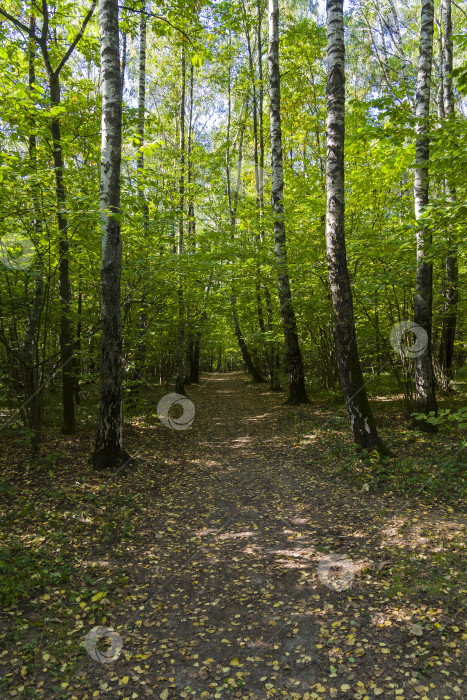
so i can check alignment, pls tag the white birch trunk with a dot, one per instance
(140, 354)
(109, 450)
(34, 394)
(451, 267)
(293, 356)
(350, 372)
(424, 376)
(180, 349)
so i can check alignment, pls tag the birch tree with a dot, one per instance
(258, 139)
(451, 266)
(233, 204)
(350, 373)
(180, 349)
(424, 376)
(32, 371)
(293, 356)
(53, 76)
(143, 321)
(108, 449)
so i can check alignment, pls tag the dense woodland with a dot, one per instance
(271, 194)
(222, 202)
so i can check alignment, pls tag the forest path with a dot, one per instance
(232, 594)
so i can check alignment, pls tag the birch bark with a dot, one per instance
(424, 376)
(33, 391)
(233, 202)
(109, 449)
(180, 349)
(140, 355)
(293, 356)
(350, 373)
(451, 266)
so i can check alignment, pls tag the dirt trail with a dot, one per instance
(227, 600)
(231, 563)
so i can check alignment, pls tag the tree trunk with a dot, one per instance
(192, 359)
(294, 363)
(350, 372)
(140, 355)
(109, 448)
(180, 350)
(194, 366)
(246, 355)
(77, 358)
(424, 376)
(33, 391)
(123, 60)
(191, 203)
(274, 377)
(257, 105)
(66, 344)
(188, 354)
(249, 364)
(451, 267)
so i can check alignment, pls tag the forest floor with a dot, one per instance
(240, 559)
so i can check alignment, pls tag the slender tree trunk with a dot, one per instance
(33, 391)
(191, 203)
(351, 378)
(191, 370)
(195, 355)
(32, 378)
(451, 267)
(194, 367)
(140, 355)
(123, 60)
(66, 341)
(77, 358)
(294, 363)
(188, 354)
(66, 344)
(274, 376)
(424, 376)
(247, 359)
(257, 108)
(109, 448)
(180, 350)
(233, 202)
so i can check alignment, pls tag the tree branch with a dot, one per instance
(76, 39)
(18, 24)
(45, 22)
(459, 8)
(163, 19)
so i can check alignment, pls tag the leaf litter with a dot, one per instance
(232, 563)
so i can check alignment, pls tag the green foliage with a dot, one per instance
(445, 415)
(440, 478)
(26, 571)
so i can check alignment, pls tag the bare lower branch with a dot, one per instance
(22, 27)
(76, 39)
